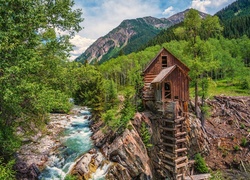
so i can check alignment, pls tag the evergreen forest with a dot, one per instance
(37, 78)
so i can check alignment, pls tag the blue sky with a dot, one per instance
(101, 16)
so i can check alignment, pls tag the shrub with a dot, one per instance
(146, 136)
(111, 119)
(217, 176)
(70, 177)
(245, 84)
(242, 126)
(200, 164)
(244, 142)
(6, 171)
(236, 148)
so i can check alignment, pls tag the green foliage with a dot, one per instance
(200, 55)
(111, 118)
(70, 177)
(236, 148)
(35, 74)
(244, 142)
(145, 134)
(245, 84)
(110, 94)
(236, 9)
(118, 120)
(242, 126)
(200, 164)
(165, 35)
(236, 19)
(90, 90)
(9, 143)
(128, 110)
(217, 176)
(6, 172)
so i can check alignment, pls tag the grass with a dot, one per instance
(226, 87)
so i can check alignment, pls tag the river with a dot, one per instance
(75, 140)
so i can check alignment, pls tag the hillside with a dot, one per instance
(238, 8)
(236, 19)
(128, 37)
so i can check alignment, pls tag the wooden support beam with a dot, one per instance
(167, 137)
(180, 165)
(179, 119)
(167, 154)
(179, 175)
(180, 150)
(169, 168)
(179, 125)
(167, 129)
(180, 134)
(168, 162)
(168, 121)
(180, 159)
(181, 140)
(198, 177)
(168, 144)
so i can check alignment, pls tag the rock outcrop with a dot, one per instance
(125, 153)
(198, 141)
(25, 172)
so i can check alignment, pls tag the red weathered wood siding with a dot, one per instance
(156, 66)
(148, 91)
(179, 79)
(179, 85)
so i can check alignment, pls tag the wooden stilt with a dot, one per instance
(173, 141)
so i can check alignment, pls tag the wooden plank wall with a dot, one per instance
(179, 83)
(148, 92)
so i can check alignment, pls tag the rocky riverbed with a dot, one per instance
(44, 151)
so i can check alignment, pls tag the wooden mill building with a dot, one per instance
(165, 78)
(166, 89)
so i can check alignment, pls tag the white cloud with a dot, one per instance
(201, 5)
(81, 44)
(98, 21)
(206, 5)
(169, 11)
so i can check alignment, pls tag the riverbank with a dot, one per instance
(40, 151)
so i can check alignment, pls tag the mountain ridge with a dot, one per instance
(129, 36)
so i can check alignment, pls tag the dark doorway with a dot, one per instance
(167, 88)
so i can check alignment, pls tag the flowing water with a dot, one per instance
(75, 141)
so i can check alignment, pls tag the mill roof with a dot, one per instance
(155, 58)
(163, 74)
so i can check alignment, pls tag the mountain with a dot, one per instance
(128, 37)
(238, 8)
(236, 19)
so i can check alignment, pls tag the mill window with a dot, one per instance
(167, 88)
(164, 61)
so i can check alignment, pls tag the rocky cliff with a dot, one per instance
(124, 154)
